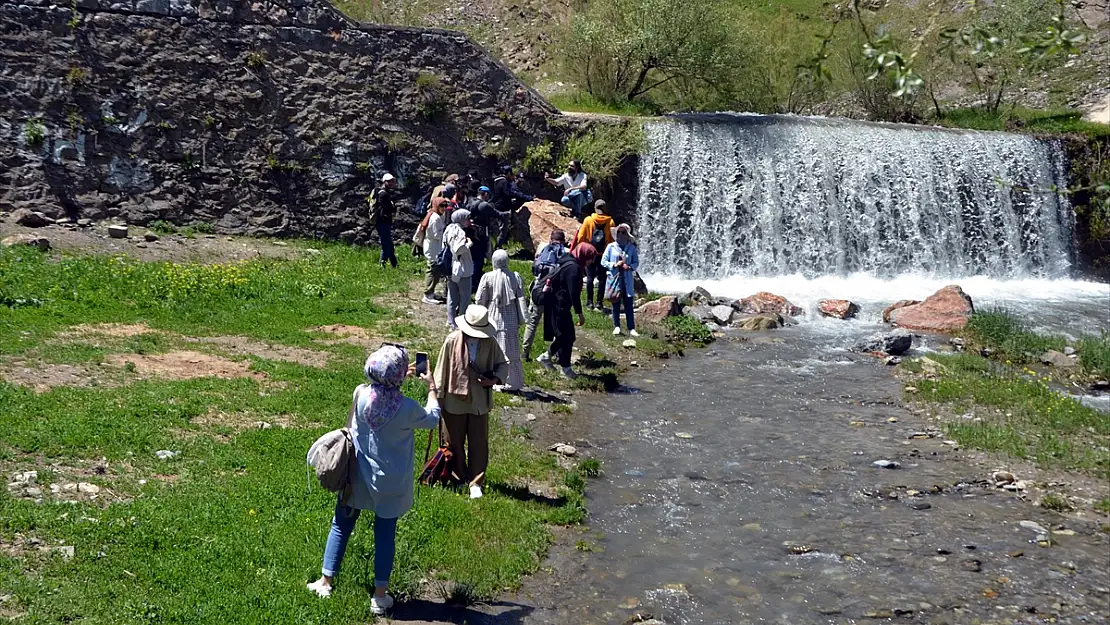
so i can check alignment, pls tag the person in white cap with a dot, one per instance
(381, 216)
(470, 364)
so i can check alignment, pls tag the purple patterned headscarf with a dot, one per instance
(386, 370)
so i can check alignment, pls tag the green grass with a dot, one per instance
(1025, 120)
(1011, 341)
(688, 330)
(1020, 415)
(582, 102)
(1103, 505)
(228, 532)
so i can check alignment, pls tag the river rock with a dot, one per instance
(29, 218)
(1057, 359)
(758, 322)
(839, 308)
(539, 218)
(563, 449)
(701, 313)
(1033, 526)
(886, 464)
(117, 231)
(763, 303)
(30, 240)
(892, 343)
(658, 310)
(722, 314)
(902, 303)
(698, 297)
(947, 310)
(150, 237)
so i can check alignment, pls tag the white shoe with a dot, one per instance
(568, 373)
(475, 492)
(634, 333)
(617, 331)
(320, 589)
(430, 300)
(380, 606)
(545, 360)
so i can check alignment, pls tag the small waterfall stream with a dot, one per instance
(772, 195)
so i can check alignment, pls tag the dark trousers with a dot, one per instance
(385, 233)
(599, 273)
(630, 315)
(563, 344)
(468, 432)
(479, 252)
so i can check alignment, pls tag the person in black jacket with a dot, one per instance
(381, 215)
(487, 222)
(564, 296)
(507, 197)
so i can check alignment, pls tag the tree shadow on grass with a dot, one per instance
(434, 612)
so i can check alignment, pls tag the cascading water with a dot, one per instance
(767, 196)
(811, 208)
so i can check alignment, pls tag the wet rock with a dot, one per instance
(973, 566)
(879, 614)
(700, 312)
(892, 343)
(29, 218)
(1016, 554)
(838, 308)
(920, 505)
(722, 314)
(117, 231)
(660, 309)
(1056, 359)
(563, 449)
(1002, 477)
(886, 464)
(763, 303)
(698, 297)
(150, 237)
(30, 240)
(758, 323)
(947, 310)
(895, 306)
(165, 454)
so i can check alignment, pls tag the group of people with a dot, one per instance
(482, 352)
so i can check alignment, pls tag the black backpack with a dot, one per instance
(597, 239)
(540, 291)
(442, 266)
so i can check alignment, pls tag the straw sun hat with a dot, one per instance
(475, 323)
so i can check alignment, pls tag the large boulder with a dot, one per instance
(839, 308)
(535, 220)
(947, 310)
(658, 310)
(29, 218)
(722, 315)
(764, 303)
(698, 297)
(758, 322)
(701, 313)
(893, 343)
(902, 303)
(32, 240)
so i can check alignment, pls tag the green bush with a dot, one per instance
(685, 329)
(161, 226)
(604, 148)
(538, 157)
(35, 132)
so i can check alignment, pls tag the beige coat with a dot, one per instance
(480, 399)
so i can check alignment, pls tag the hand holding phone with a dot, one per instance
(421, 363)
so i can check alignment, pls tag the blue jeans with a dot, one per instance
(458, 298)
(385, 543)
(626, 301)
(385, 233)
(575, 201)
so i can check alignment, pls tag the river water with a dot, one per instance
(739, 487)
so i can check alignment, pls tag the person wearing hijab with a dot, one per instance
(621, 259)
(433, 243)
(564, 294)
(470, 364)
(502, 293)
(459, 283)
(383, 424)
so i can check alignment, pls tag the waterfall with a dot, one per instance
(726, 195)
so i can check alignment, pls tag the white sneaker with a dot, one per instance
(320, 589)
(430, 300)
(545, 360)
(475, 492)
(380, 606)
(568, 373)
(617, 331)
(634, 333)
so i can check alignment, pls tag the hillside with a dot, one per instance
(778, 35)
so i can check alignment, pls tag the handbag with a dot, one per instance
(438, 469)
(333, 457)
(614, 286)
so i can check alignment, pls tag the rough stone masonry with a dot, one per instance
(265, 117)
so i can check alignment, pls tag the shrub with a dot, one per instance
(431, 101)
(603, 149)
(35, 132)
(1057, 503)
(256, 60)
(590, 467)
(688, 330)
(162, 226)
(538, 157)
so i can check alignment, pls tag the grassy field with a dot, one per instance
(1009, 403)
(228, 531)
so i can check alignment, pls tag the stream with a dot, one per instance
(738, 486)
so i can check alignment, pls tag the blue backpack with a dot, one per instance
(442, 266)
(547, 259)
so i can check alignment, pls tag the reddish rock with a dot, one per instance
(896, 305)
(839, 308)
(764, 303)
(541, 217)
(660, 309)
(946, 310)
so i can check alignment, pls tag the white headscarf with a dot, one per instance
(502, 284)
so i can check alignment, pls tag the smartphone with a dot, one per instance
(421, 363)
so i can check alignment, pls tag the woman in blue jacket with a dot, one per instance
(621, 259)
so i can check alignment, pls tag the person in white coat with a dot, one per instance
(433, 245)
(459, 285)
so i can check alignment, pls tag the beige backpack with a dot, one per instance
(333, 457)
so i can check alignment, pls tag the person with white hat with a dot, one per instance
(381, 216)
(469, 365)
